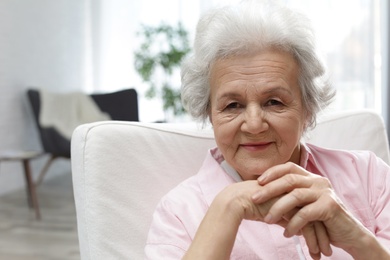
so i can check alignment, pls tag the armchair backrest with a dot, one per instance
(51, 140)
(121, 170)
(120, 105)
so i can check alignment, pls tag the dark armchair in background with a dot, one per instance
(120, 105)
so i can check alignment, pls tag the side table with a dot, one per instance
(25, 157)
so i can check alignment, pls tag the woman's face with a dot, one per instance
(256, 111)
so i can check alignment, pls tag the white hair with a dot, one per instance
(246, 28)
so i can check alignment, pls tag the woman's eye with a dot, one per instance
(233, 105)
(273, 102)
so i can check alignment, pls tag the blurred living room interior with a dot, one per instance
(95, 47)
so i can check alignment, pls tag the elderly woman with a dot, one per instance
(263, 193)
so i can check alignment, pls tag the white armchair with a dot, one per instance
(121, 170)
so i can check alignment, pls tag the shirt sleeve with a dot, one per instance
(167, 236)
(379, 173)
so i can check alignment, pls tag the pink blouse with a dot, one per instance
(361, 180)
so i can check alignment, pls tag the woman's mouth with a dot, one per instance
(255, 147)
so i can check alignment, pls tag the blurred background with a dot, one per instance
(98, 46)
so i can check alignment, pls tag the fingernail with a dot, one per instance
(262, 178)
(286, 233)
(256, 196)
(268, 219)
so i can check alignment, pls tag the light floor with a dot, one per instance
(54, 237)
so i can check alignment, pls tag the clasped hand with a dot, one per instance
(301, 202)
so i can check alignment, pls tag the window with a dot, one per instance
(348, 34)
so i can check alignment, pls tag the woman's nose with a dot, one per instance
(254, 120)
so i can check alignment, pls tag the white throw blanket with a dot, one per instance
(66, 111)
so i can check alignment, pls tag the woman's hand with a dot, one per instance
(217, 232)
(318, 205)
(215, 236)
(238, 199)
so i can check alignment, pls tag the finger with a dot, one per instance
(296, 199)
(290, 214)
(281, 186)
(286, 218)
(280, 170)
(317, 239)
(309, 213)
(309, 233)
(322, 238)
(315, 256)
(283, 223)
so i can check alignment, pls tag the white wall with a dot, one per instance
(42, 44)
(65, 45)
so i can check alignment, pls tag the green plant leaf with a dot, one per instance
(162, 47)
